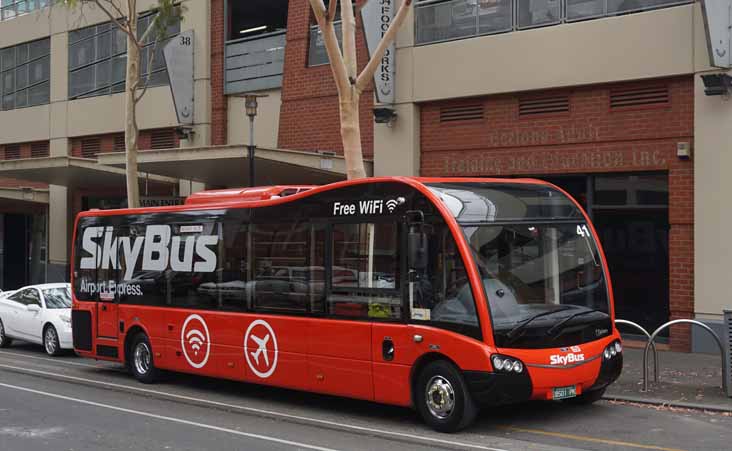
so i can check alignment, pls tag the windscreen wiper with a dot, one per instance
(518, 328)
(561, 323)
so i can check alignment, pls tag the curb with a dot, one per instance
(666, 403)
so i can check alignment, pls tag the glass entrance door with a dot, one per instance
(630, 213)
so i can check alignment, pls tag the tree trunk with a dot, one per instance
(131, 131)
(351, 135)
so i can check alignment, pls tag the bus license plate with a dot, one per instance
(565, 392)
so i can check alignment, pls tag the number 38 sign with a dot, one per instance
(178, 55)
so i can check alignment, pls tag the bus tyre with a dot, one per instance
(50, 341)
(587, 397)
(141, 360)
(4, 340)
(442, 398)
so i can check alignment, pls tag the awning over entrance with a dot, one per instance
(71, 172)
(228, 166)
(23, 200)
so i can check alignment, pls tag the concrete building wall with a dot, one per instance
(266, 123)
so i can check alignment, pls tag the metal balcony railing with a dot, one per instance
(253, 64)
(12, 9)
(446, 20)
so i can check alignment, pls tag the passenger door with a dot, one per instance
(363, 289)
(13, 305)
(108, 277)
(30, 317)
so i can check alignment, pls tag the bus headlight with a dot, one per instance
(505, 364)
(612, 350)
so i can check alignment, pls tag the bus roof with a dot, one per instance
(271, 195)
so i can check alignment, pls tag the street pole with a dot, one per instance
(251, 151)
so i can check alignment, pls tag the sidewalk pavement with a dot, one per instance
(685, 380)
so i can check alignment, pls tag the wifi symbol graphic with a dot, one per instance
(195, 339)
(391, 204)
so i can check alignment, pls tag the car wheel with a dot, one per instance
(442, 398)
(141, 361)
(4, 340)
(587, 397)
(50, 341)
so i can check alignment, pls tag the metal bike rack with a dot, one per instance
(725, 374)
(653, 345)
(728, 358)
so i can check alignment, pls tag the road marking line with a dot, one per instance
(300, 418)
(587, 439)
(65, 362)
(170, 419)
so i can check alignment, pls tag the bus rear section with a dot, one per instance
(445, 295)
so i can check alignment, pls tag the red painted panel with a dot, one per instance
(107, 325)
(339, 354)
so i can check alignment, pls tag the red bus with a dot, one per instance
(440, 294)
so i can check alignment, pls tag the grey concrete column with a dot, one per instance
(59, 233)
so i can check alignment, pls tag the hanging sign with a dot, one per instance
(718, 25)
(376, 17)
(178, 55)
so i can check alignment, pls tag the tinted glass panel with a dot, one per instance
(441, 292)
(366, 271)
(483, 202)
(24, 75)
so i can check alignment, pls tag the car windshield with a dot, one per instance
(57, 298)
(549, 271)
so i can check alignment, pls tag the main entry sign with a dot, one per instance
(718, 25)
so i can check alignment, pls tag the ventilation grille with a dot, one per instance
(461, 113)
(162, 139)
(12, 152)
(39, 149)
(119, 143)
(728, 357)
(90, 147)
(544, 105)
(657, 95)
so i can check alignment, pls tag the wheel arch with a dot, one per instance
(131, 333)
(420, 364)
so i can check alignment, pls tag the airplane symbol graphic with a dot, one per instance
(262, 347)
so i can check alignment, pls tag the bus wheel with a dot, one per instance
(4, 340)
(141, 360)
(442, 398)
(50, 341)
(587, 397)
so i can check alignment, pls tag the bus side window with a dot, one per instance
(365, 273)
(288, 265)
(442, 293)
(197, 285)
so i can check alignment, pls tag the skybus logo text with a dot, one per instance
(160, 249)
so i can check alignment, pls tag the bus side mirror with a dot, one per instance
(417, 242)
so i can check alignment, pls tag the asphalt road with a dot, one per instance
(78, 404)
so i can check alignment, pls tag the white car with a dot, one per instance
(37, 314)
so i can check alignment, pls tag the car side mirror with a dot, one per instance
(33, 308)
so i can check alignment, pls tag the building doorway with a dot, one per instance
(630, 212)
(23, 250)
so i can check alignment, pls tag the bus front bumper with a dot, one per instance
(491, 389)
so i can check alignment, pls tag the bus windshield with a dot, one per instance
(539, 264)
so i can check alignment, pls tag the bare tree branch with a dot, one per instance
(116, 8)
(150, 61)
(365, 78)
(349, 39)
(150, 28)
(114, 18)
(332, 4)
(331, 45)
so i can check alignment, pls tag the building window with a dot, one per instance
(10, 9)
(98, 59)
(317, 54)
(446, 20)
(24, 75)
